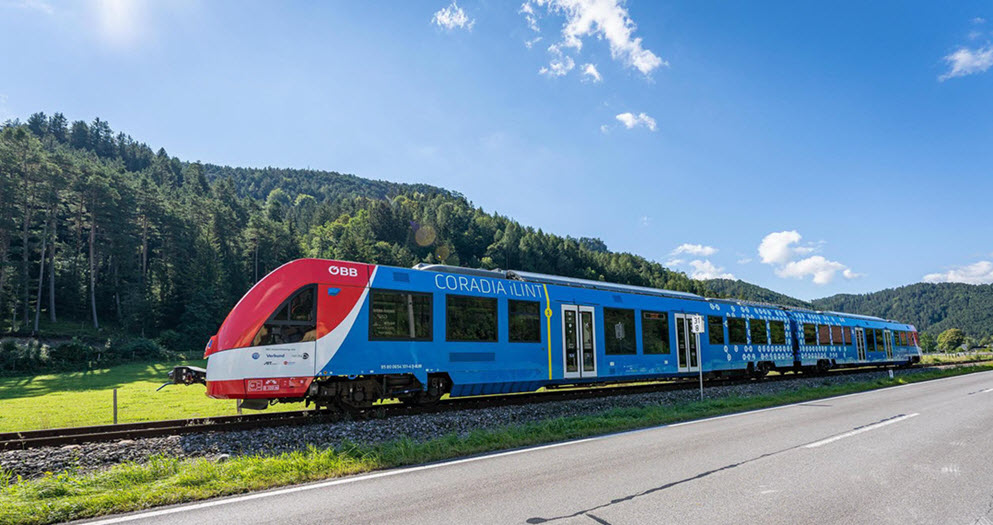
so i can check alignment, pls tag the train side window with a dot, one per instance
(715, 329)
(295, 321)
(836, 335)
(655, 332)
(777, 329)
(758, 331)
(618, 330)
(903, 338)
(524, 321)
(737, 331)
(470, 319)
(810, 334)
(870, 343)
(400, 316)
(846, 332)
(824, 334)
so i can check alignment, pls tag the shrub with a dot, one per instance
(173, 340)
(73, 352)
(140, 348)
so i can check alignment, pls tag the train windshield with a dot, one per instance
(294, 321)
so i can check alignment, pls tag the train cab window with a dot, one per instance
(777, 332)
(295, 321)
(737, 331)
(824, 334)
(870, 342)
(758, 331)
(470, 319)
(810, 334)
(903, 338)
(400, 316)
(846, 333)
(618, 330)
(715, 329)
(655, 332)
(524, 321)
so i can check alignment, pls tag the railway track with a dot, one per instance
(105, 433)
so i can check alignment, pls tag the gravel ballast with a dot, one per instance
(90, 457)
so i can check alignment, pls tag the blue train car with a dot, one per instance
(349, 333)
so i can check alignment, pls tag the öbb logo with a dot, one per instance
(343, 271)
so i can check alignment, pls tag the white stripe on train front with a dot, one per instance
(285, 360)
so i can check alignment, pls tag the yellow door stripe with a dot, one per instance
(548, 318)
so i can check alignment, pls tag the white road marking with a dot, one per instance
(858, 431)
(342, 481)
(985, 391)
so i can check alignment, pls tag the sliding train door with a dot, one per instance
(578, 341)
(687, 343)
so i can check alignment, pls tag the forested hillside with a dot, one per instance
(99, 230)
(931, 307)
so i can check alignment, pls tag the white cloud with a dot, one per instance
(821, 269)
(604, 128)
(603, 19)
(695, 249)
(558, 66)
(630, 120)
(532, 18)
(780, 249)
(673, 262)
(452, 17)
(744, 260)
(976, 273)
(590, 72)
(965, 61)
(645, 221)
(979, 20)
(707, 270)
(530, 43)
(776, 248)
(849, 274)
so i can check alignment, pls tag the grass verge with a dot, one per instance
(947, 359)
(57, 400)
(163, 481)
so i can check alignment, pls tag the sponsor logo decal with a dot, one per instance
(255, 355)
(306, 356)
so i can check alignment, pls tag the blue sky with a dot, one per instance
(813, 148)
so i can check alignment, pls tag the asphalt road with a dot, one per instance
(921, 453)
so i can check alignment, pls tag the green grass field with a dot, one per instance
(163, 481)
(86, 398)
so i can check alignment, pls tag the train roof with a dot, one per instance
(596, 285)
(543, 278)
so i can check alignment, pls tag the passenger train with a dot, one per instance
(346, 334)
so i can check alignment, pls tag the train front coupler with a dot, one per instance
(188, 375)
